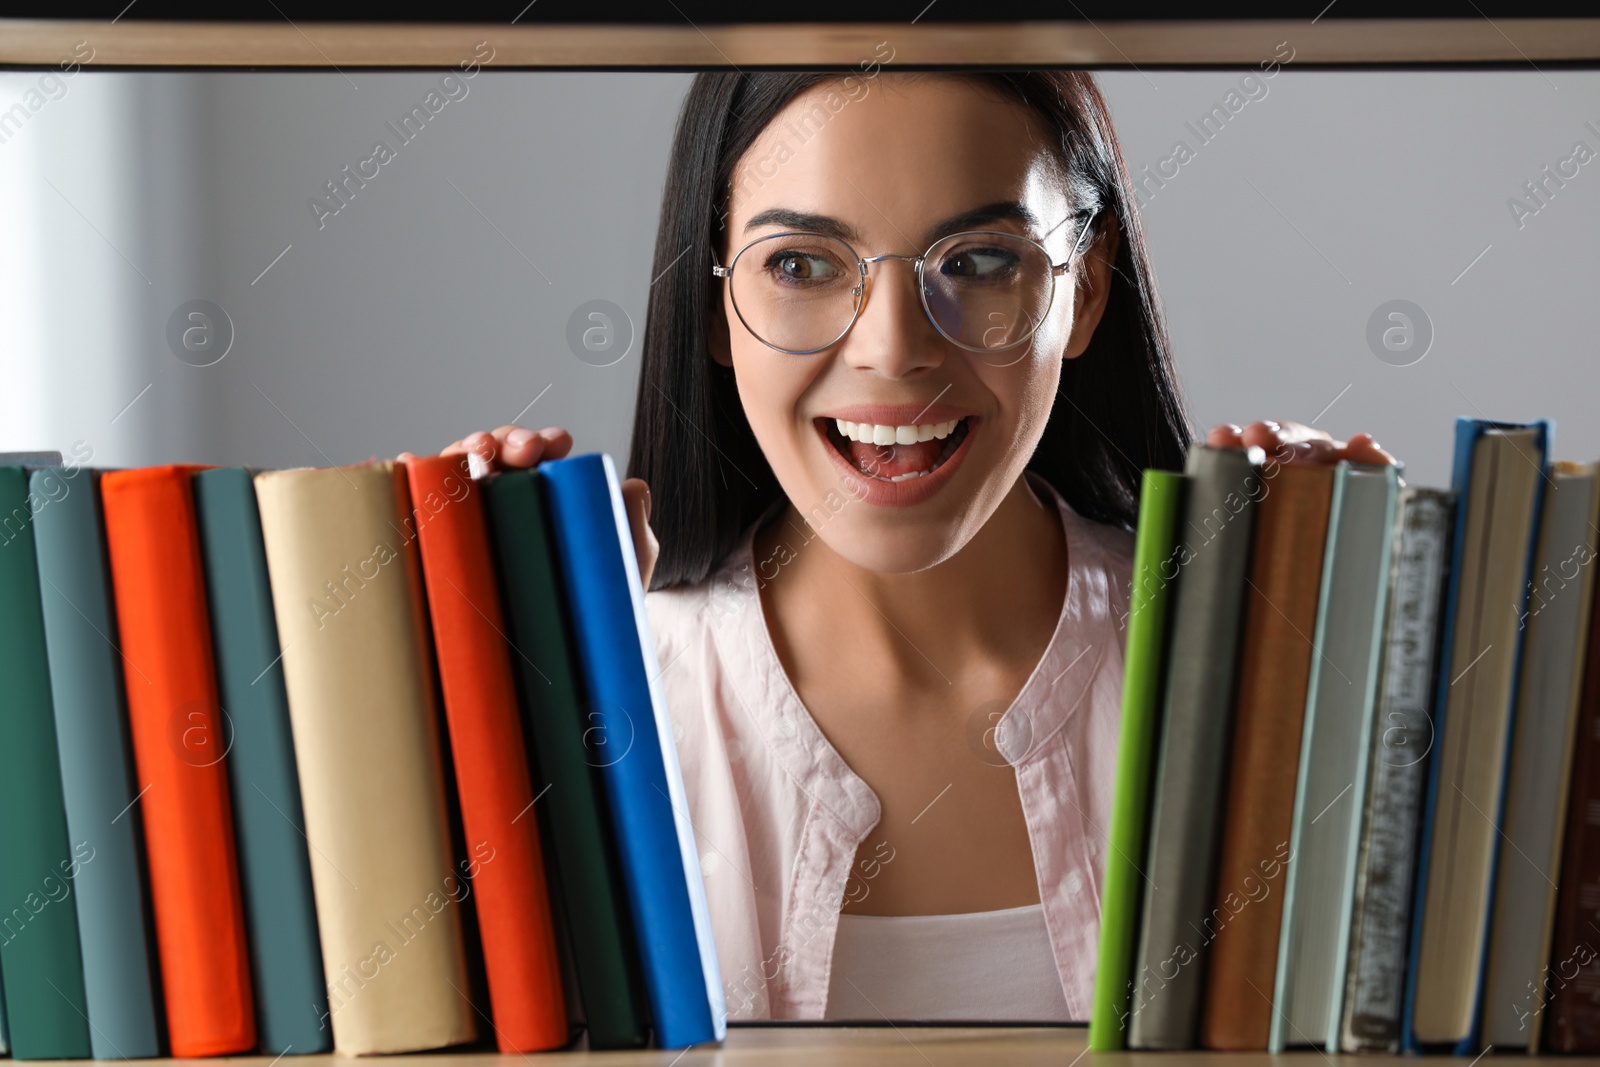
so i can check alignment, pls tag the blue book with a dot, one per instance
(632, 743)
(96, 765)
(274, 860)
(1499, 479)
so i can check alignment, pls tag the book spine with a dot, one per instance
(1285, 582)
(585, 871)
(180, 745)
(1191, 764)
(1154, 571)
(490, 757)
(274, 867)
(40, 958)
(96, 764)
(648, 805)
(1571, 974)
(1402, 741)
(358, 670)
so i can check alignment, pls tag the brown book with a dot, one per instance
(1572, 972)
(1280, 617)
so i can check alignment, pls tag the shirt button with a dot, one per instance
(786, 728)
(710, 862)
(1074, 883)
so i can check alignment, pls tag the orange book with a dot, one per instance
(492, 774)
(179, 743)
(1280, 617)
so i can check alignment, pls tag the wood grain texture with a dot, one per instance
(47, 42)
(906, 1045)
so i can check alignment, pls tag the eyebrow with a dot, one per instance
(977, 218)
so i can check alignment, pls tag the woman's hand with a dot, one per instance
(516, 448)
(1292, 441)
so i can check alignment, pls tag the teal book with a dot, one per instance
(97, 779)
(1155, 570)
(41, 963)
(1335, 758)
(274, 861)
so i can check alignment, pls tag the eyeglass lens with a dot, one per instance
(799, 292)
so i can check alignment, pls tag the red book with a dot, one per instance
(492, 775)
(179, 741)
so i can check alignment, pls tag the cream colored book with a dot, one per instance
(346, 590)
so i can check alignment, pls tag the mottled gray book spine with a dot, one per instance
(1402, 740)
(96, 766)
(1209, 567)
(274, 862)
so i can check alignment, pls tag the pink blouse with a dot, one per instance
(779, 816)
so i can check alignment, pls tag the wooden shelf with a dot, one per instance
(890, 1046)
(307, 45)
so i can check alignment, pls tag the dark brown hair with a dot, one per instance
(1119, 408)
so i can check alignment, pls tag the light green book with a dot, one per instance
(1155, 568)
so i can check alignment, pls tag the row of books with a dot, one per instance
(1358, 789)
(232, 818)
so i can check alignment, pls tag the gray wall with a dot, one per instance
(437, 300)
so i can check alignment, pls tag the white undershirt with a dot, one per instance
(976, 966)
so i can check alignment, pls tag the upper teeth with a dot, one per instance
(875, 434)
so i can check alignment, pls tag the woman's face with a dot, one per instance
(888, 160)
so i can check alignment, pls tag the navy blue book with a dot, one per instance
(633, 746)
(97, 780)
(274, 862)
(1499, 478)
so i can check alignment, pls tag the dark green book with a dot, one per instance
(97, 780)
(569, 787)
(274, 862)
(39, 952)
(1155, 570)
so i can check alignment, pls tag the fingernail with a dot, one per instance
(518, 437)
(647, 503)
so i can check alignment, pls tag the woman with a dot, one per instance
(893, 526)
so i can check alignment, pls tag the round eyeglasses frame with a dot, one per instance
(1056, 270)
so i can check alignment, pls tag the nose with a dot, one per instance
(892, 334)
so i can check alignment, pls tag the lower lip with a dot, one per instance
(897, 494)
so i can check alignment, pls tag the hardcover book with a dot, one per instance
(96, 764)
(180, 751)
(358, 669)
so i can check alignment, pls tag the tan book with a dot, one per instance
(1280, 619)
(1555, 629)
(346, 591)
(1473, 719)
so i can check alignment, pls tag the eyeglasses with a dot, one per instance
(984, 290)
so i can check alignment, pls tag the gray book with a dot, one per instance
(1334, 758)
(96, 766)
(1555, 625)
(274, 860)
(1402, 738)
(1191, 766)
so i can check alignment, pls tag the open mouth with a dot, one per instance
(895, 453)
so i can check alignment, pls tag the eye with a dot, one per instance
(979, 264)
(802, 266)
